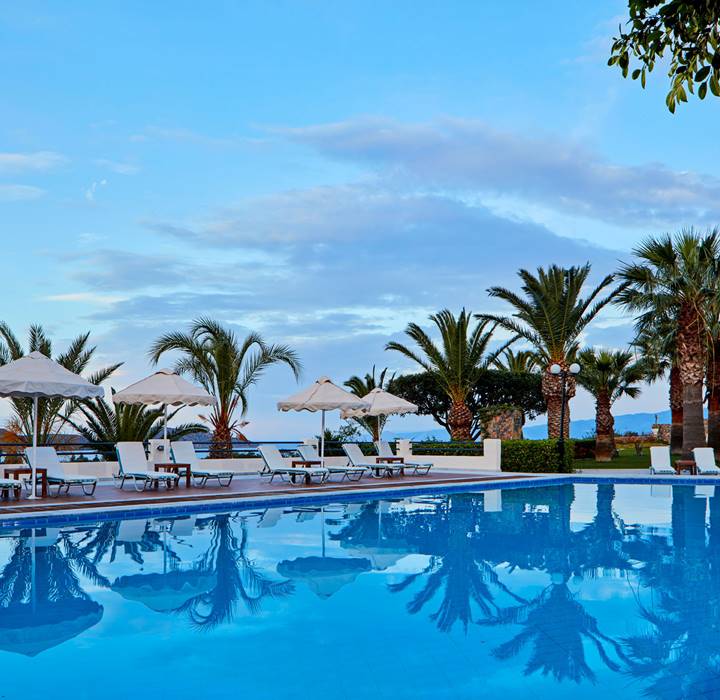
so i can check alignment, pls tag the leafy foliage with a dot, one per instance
(688, 29)
(537, 456)
(492, 388)
(109, 423)
(614, 373)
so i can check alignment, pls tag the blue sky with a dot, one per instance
(324, 172)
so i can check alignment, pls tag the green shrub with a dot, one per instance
(537, 456)
(453, 449)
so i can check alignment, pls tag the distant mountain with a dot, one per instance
(627, 423)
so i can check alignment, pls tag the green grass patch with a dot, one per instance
(626, 459)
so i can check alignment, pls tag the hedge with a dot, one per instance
(452, 449)
(536, 456)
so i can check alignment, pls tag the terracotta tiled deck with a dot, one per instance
(244, 487)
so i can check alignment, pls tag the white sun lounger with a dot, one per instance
(57, 474)
(660, 461)
(705, 460)
(384, 450)
(377, 469)
(351, 473)
(133, 466)
(183, 452)
(275, 466)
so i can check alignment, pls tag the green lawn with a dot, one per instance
(627, 459)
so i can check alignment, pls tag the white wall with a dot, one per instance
(490, 461)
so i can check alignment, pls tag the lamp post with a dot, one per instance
(557, 370)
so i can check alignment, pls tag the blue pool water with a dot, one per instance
(542, 592)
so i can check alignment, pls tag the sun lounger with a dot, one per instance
(57, 474)
(384, 450)
(8, 485)
(183, 452)
(274, 465)
(352, 473)
(660, 461)
(133, 466)
(705, 460)
(377, 469)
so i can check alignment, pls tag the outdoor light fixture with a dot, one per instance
(557, 370)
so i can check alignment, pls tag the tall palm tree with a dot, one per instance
(455, 365)
(674, 275)
(110, 423)
(361, 386)
(53, 414)
(550, 315)
(225, 367)
(608, 376)
(656, 343)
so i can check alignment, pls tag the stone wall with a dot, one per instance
(507, 425)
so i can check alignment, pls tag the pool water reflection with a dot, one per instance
(549, 591)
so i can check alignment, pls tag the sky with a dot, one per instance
(324, 173)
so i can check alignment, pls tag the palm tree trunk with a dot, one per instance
(713, 386)
(460, 421)
(676, 411)
(221, 443)
(604, 428)
(552, 393)
(691, 354)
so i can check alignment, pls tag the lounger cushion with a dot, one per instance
(10, 484)
(212, 473)
(150, 475)
(70, 479)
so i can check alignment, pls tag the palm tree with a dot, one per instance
(54, 413)
(608, 376)
(519, 362)
(226, 367)
(674, 276)
(109, 423)
(456, 365)
(361, 386)
(656, 343)
(550, 316)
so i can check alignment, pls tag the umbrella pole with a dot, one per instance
(165, 442)
(322, 439)
(33, 466)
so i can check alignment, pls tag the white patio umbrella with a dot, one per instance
(381, 403)
(36, 376)
(166, 388)
(322, 396)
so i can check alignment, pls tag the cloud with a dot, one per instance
(183, 135)
(83, 297)
(118, 167)
(472, 156)
(92, 190)
(19, 193)
(37, 161)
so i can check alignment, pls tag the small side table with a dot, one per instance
(304, 463)
(175, 468)
(16, 472)
(390, 460)
(682, 465)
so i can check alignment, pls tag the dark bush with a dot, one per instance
(585, 448)
(454, 449)
(537, 456)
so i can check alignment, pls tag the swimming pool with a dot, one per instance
(519, 592)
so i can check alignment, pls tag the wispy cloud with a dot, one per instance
(37, 161)
(468, 155)
(91, 191)
(19, 193)
(84, 297)
(183, 135)
(119, 167)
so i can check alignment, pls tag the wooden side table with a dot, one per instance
(175, 468)
(682, 465)
(390, 460)
(15, 473)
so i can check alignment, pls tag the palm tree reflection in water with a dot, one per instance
(236, 578)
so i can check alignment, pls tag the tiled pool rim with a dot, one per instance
(30, 520)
